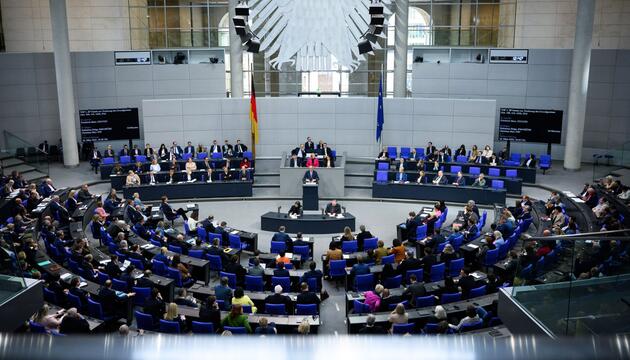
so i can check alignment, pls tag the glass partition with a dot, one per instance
(610, 160)
(29, 153)
(11, 277)
(579, 288)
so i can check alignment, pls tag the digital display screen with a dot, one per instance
(530, 125)
(109, 124)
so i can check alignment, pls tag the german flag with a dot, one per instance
(253, 117)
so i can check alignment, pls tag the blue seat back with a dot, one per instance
(125, 159)
(437, 272)
(405, 152)
(455, 168)
(306, 309)
(202, 155)
(381, 176)
(393, 306)
(50, 296)
(215, 262)
(419, 275)
(474, 170)
(389, 259)
(74, 301)
(248, 155)
(359, 307)
(202, 233)
(108, 160)
(449, 298)
(303, 251)
(425, 301)
(199, 327)
(498, 184)
(170, 327)
(393, 282)
(278, 247)
(492, 256)
(196, 253)
(235, 330)
(235, 241)
(141, 158)
(364, 282)
(175, 275)
(392, 152)
(370, 243)
(37, 328)
(401, 329)
(337, 267)
(476, 292)
(120, 285)
(494, 172)
(144, 321)
(421, 232)
(511, 173)
(350, 246)
(159, 267)
(455, 267)
(461, 159)
(137, 263)
(142, 293)
(186, 156)
(283, 281)
(275, 309)
(95, 309)
(253, 283)
(383, 166)
(175, 249)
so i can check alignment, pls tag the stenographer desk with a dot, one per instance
(308, 224)
(459, 194)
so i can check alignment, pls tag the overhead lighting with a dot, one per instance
(242, 9)
(377, 9)
(253, 46)
(239, 21)
(365, 47)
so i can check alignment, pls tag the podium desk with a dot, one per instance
(310, 196)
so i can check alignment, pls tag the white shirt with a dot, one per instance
(155, 168)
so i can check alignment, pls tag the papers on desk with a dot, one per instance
(263, 265)
(190, 206)
(473, 246)
(138, 275)
(66, 276)
(289, 255)
(43, 263)
(346, 256)
(578, 200)
(234, 232)
(82, 284)
(104, 262)
(125, 265)
(477, 275)
(339, 216)
(146, 247)
(293, 216)
(191, 241)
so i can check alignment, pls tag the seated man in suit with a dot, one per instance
(135, 151)
(401, 177)
(278, 298)
(325, 151)
(168, 211)
(530, 161)
(110, 299)
(124, 151)
(295, 161)
(383, 155)
(310, 176)
(422, 177)
(177, 151)
(215, 148)
(189, 149)
(313, 272)
(460, 180)
(307, 297)
(309, 145)
(440, 179)
(283, 237)
(300, 154)
(95, 159)
(480, 181)
(280, 271)
(412, 225)
(227, 149)
(239, 148)
(47, 188)
(333, 209)
(109, 152)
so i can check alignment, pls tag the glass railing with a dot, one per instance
(611, 160)
(30, 154)
(580, 287)
(11, 270)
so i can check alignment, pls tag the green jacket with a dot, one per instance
(239, 321)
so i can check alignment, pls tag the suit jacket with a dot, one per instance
(532, 163)
(148, 152)
(280, 299)
(309, 146)
(96, 155)
(460, 181)
(429, 150)
(466, 283)
(309, 176)
(124, 152)
(109, 153)
(177, 150)
(189, 150)
(226, 148)
(281, 273)
(74, 326)
(325, 151)
(330, 209)
(136, 152)
(239, 148)
(442, 181)
(215, 148)
(307, 297)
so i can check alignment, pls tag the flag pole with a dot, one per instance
(252, 93)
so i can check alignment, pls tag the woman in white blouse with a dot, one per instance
(155, 167)
(487, 153)
(191, 165)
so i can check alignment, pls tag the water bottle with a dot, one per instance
(203, 178)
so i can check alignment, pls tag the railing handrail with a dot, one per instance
(8, 133)
(581, 236)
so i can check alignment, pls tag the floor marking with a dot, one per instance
(336, 333)
(337, 306)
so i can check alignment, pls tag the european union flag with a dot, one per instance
(380, 116)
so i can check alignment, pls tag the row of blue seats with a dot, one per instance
(473, 170)
(127, 159)
(382, 177)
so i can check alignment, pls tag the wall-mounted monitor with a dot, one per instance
(530, 125)
(123, 58)
(109, 124)
(509, 56)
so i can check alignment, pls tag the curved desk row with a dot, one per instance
(527, 174)
(193, 190)
(460, 194)
(512, 185)
(118, 181)
(106, 169)
(308, 224)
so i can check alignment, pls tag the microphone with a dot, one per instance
(323, 214)
(279, 207)
(343, 208)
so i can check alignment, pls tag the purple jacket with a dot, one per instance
(372, 300)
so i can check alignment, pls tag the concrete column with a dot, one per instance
(579, 84)
(400, 48)
(63, 74)
(236, 56)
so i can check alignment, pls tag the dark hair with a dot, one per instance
(396, 242)
(280, 265)
(238, 292)
(471, 311)
(312, 265)
(448, 281)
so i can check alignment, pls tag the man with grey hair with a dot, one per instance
(371, 329)
(74, 323)
(277, 298)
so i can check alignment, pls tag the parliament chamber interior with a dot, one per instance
(265, 177)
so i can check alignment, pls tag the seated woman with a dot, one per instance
(296, 209)
(172, 314)
(226, 174)
(422, 178)
(241, 299)
(329, 162)
(474, 155)
(183, 269)
(132, 179)
(494, 161)
(117, 170)
(155, 167)
(486, 154)
(163, 153)
(100, 211)
(347, 234)
(398, 316)
(236, 318)
(189, 176)
(191, 165)
(383, 154)
(461, 151)
(312, 161)
(244, 166)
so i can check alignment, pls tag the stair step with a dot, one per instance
(266, 186)
(34, 175)
(23, 168)
(5, 155)
(261, 180)
(8, 162)
(368, 187)
(266, 174)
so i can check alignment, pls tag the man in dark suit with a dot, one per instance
(299, 240)
(60, 210)
(134, 215)
(309, 145)
(294, 161)
(215, 148)
(370, 328)
(43, 147)
(239, 148)
(155, 305)
(313, 273)
(75, 290)
(428, 260)
(300, 154)
(410, 263)
(234, 267)
(440, 178)
(168, 211)
(430, 149)
(466, 282)
(333, 209)
(109, 152)
(325, 151)
(307, 297)
(411, 225)
(189, 149)
(135, 151)
(362, 235)
(135, 253)
(214, 249)
(283, 237)
(278, 298)
(280, 271)
(225, 237)
(227, 149)
(145, 281)
(95, 159)
(310, 175)
(74, 323)
(177, 151)
(414, 290)
(84, 194)
(208, 224)
(124, 151)
(113, 267)
(389, 299)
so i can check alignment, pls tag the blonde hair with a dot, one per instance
(171, 312)
(379, 288)
(304, 328)
(347, 231)
(400, 309)
(440, 313)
